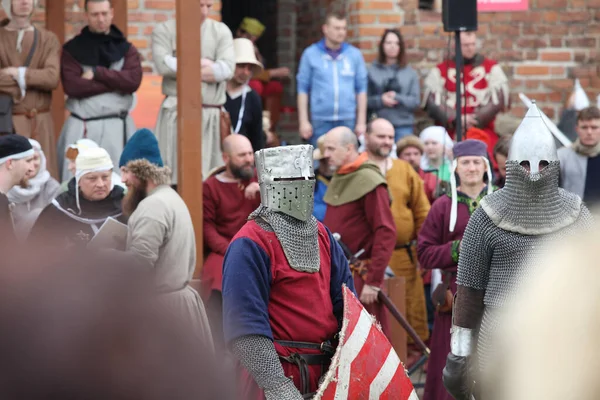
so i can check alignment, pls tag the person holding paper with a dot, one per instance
(75, 216)
(161, 234)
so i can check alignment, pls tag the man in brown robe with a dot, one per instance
(410, 207)
(358, 208)
(29, 72)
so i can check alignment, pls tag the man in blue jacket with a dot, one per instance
(334, 75)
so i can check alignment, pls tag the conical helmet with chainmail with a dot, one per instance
(533, 142)
(531, 203)
(287, 180)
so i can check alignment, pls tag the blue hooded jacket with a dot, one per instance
(332, 85)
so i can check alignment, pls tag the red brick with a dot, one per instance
(425, 44)
(575, 16)
(369, 31)
(561, 4)
(140, 43)
(532, 70)
(581, 42)
(375, 5)
(558, 84)
(550, 16)
(366, 18)
(505, 29)
(159, 5)
(394, 18)
(556, 56)
(557, 70)
(532, 43)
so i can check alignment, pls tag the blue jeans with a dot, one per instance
(322, 127)
(402, 131)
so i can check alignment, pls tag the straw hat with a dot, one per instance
(244, 54)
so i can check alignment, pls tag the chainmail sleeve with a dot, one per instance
(258, 356)
(475, 253)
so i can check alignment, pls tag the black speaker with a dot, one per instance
(459, 15)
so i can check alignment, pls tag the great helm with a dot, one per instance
(287, 179)
(533, 141)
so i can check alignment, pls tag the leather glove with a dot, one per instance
(456, 377)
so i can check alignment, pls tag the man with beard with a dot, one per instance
(243, 104)
(358, 208)
(282, 283)
(229, 196)
(76, 215)
(100, 73)
(161, 234)
(409, 209)
(16, 162)
(500, 240)
(485, 93)
(29, 72)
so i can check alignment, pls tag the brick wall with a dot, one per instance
(541, 50)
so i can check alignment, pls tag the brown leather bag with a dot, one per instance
(442, 295)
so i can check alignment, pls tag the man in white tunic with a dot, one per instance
(218, 64)
(161, 233)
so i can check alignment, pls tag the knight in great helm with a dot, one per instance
(283, 275)
(501, 240)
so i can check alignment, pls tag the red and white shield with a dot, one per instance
(365, 365)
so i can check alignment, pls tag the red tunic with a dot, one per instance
(367, 224)
(225, 211)
(263, 295)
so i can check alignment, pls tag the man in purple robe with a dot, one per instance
(439, 244)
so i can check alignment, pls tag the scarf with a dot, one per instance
(353, 181)
(19, 195)
(98, 49)
(91, 210)
(588, 151)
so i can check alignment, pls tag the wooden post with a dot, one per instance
(396, 290)
(55, 22)
(120, 19)
(189, 115)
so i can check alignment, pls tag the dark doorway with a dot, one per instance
(234, 11)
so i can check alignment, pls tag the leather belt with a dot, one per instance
(324, 347)
(304, 360)
(32, 114)
(122, 116)
(408, 246)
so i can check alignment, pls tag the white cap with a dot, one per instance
(88, 161)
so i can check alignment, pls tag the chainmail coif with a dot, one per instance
(532, 204)
(299, 239)
(496, 261)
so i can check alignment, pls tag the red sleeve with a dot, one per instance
(432, 250)
(128, 79)
(379, 217)
(212, 238)
(74, 85)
